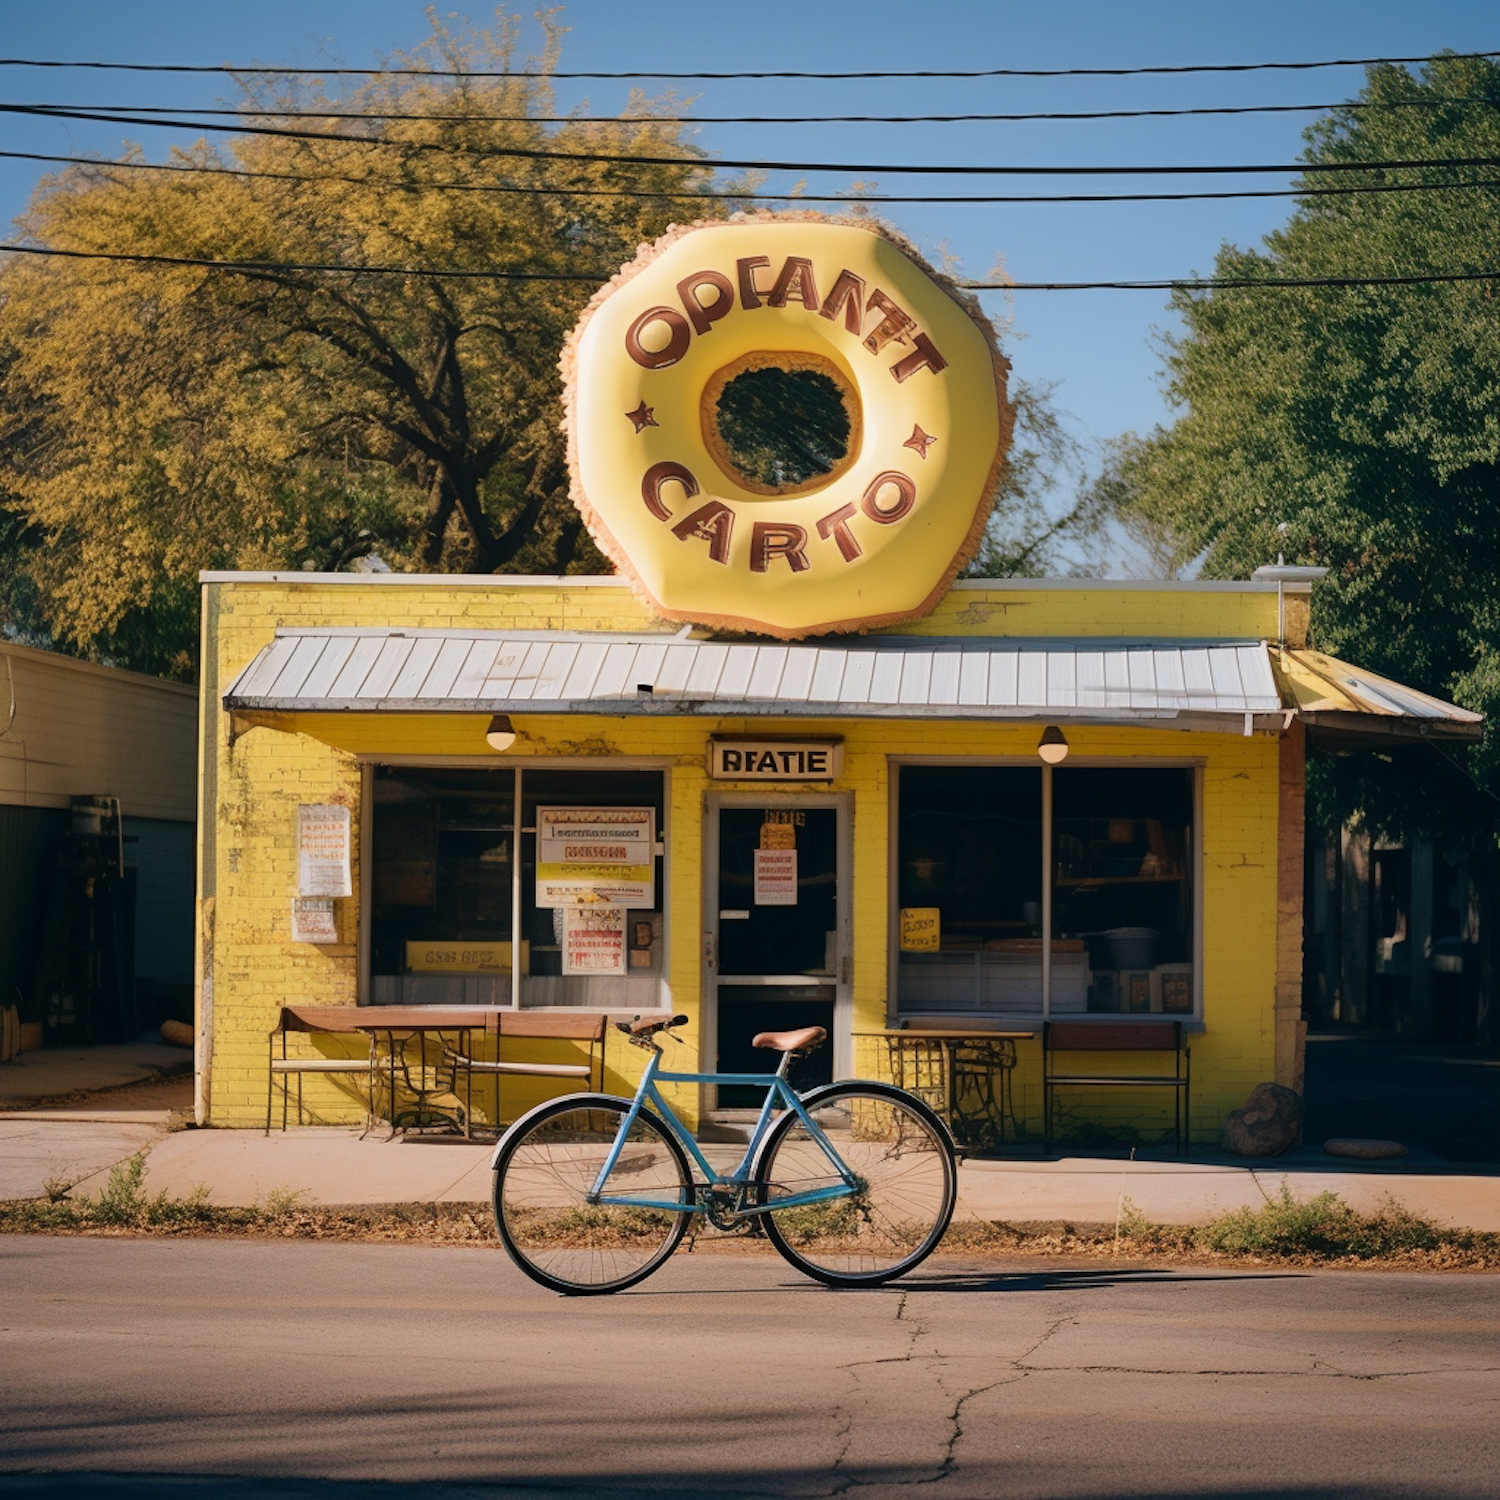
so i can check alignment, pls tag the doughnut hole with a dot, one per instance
(781, 423)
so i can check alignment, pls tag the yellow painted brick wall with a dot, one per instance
(253, 788)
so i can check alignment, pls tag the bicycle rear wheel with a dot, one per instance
(908, 1184)
(545, 1171)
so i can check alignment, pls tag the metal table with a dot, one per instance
(429, 1098)
(956, 1072)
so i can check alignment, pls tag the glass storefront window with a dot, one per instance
(443, 886)
(1122, 864)
(543, 981)
(970, 874)
(970, 890)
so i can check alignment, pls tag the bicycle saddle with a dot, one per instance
(790, 1041)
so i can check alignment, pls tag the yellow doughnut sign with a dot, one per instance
(862, 519)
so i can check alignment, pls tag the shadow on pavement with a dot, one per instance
(806, 1485)
(1439, 1101)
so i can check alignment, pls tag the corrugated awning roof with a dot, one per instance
(451, 671)
(1341, 700)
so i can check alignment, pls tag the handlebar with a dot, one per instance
(641, 1031)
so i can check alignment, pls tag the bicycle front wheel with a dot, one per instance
(545, 1173)
(902, 1158)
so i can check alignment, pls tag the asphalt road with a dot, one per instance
(196, 1368)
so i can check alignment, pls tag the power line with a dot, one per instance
(639, 120)
(227, 68)
(532, 153)
(268, 268)
(712, 195)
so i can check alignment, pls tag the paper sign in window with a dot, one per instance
(593, 940)
(594, 855)
(921, 930)
(775, 877)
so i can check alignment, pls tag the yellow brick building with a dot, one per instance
(922, 865)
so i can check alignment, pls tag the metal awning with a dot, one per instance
(1207, 685)
(1347, 704)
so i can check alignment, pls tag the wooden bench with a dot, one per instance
(335, 1019)
(1159, 1037)
(589, 1029)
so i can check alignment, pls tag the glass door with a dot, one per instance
(777, 940)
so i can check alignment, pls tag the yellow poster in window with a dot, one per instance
(438, 957)
(920, 929)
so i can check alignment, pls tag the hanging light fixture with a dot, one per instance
(1052, 747)
(502, 733)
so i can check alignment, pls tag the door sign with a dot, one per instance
(775, 877)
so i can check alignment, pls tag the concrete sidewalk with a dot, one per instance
(325, 1165)
(60, 1072)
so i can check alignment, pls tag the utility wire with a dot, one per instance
(227, 68)
(272, 268)
(532, 153)
(247, 113)
(712, 195)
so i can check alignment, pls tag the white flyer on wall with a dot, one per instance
(312, 920)
(593, 940)
(323, 850)
(775, 877)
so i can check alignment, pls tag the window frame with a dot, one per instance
(516, 768)
(983, 1020)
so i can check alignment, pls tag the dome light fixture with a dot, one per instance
(501, 734)
(1052, 747)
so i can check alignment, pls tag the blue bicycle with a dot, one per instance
(854, 1183)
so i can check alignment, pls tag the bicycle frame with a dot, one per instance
(779, 1093)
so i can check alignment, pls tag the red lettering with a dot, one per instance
(745, 269)
(677, 345)
(896, 324)
(658, 475)
(796, 281)
(906, 497)
(836, 525)
(925, 357)
(712, 523)
(771, 539)
(848, 296)
(703, 317)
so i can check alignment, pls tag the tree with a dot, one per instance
(1359, 427)
(1027, 535)
(169, 419)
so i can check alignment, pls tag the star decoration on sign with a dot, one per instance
(919, 441)
(643, 416)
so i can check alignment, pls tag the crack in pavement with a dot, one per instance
(937, 1364)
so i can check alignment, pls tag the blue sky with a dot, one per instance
(1097, 348)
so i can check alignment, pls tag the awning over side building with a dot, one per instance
(1346, 704)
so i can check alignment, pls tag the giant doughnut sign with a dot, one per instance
(863, 519)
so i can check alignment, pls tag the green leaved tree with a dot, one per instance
(1359, 427)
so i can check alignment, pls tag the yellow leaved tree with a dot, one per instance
(162, 419)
